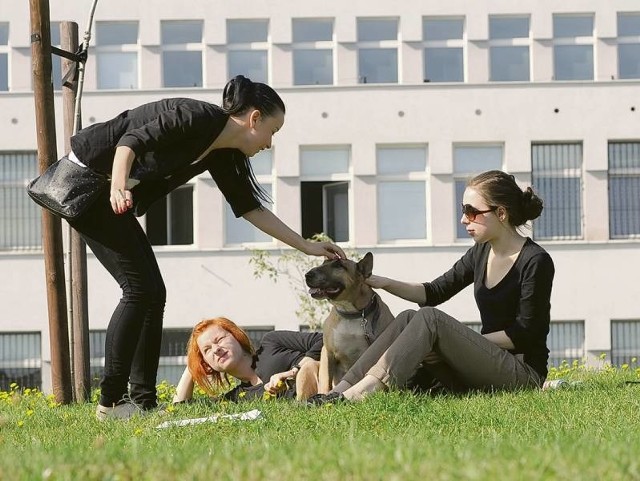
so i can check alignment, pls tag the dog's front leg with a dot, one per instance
(324, 378)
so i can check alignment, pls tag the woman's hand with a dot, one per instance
(121, 200)
(277, 382)
(327, 249)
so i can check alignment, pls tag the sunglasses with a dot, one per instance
(470, 212)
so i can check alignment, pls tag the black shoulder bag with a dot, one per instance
(67, 189)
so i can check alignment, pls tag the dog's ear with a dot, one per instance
(365, 266)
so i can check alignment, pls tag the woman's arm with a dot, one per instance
(500, 339)
(410, 291)
(184, 391)
(267, 222)
(121, 198)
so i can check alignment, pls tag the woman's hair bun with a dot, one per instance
(531, 204)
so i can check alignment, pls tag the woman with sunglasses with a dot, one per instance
(511, 277)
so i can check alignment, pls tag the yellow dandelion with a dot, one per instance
(279, 384)
(20, 423)
(242, 394)
(29, 412)
(625, 366)
(266, 396)
(137, 432)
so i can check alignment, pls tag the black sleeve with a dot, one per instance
(532, 321)
(280, 350)
(235, 187)
(168, 127)
(453, 281)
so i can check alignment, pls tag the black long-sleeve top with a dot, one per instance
(519, 304)
(279, 351)
(167, 137)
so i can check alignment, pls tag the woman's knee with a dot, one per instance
(431, 316)
(150, 291)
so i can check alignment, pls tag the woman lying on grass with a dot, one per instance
(218, 348)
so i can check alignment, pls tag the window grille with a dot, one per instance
(557, 179)
(624, 190)
(20, 360)
(625, 341)
(20, 224)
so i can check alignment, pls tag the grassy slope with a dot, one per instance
(590, 432)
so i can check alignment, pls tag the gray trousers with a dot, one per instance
(457, 356)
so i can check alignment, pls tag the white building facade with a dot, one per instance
(390, 109)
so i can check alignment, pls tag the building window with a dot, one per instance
(173, 354)
(377, 50)
(56, 60)
(565, 342)
(248, 49)
(557, 178)
(255, 334)
(312, 51)
(181, 53)
(624, 190)
(509, 49)
(573, 47)
(4, 56)
(402, 188)
(629, 45)
(324, 191)
(476, 326)
(20, 360)
(170, 220)
(117, 55)
(443, 41)
(238, 230)
(20, 226)
(468, 161)
(625, 341)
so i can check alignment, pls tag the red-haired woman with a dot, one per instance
(218, 348)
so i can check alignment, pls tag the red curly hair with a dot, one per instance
(203, 374)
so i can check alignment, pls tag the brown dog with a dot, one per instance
(358, 316)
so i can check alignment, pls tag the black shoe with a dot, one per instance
(329, 398)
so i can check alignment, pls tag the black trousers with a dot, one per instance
(134, 334)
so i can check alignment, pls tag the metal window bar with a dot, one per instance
(173, 352)
(20, 227)
(557, 177)
(625, 341)
(565, 342)
(20, 360)
(624, 190)
(256, 334)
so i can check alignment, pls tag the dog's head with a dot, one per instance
(338, 279)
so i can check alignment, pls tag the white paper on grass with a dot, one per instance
(246, 416)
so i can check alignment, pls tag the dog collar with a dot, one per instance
(362, 313)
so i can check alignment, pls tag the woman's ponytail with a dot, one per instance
(241, 94)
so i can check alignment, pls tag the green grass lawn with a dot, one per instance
(587, 432)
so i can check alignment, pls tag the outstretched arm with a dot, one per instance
(267, 222)
(410, 291)
(184, 390)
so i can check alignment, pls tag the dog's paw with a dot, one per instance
(323, 399)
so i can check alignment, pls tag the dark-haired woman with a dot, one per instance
(511, 277)
(148, 151)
